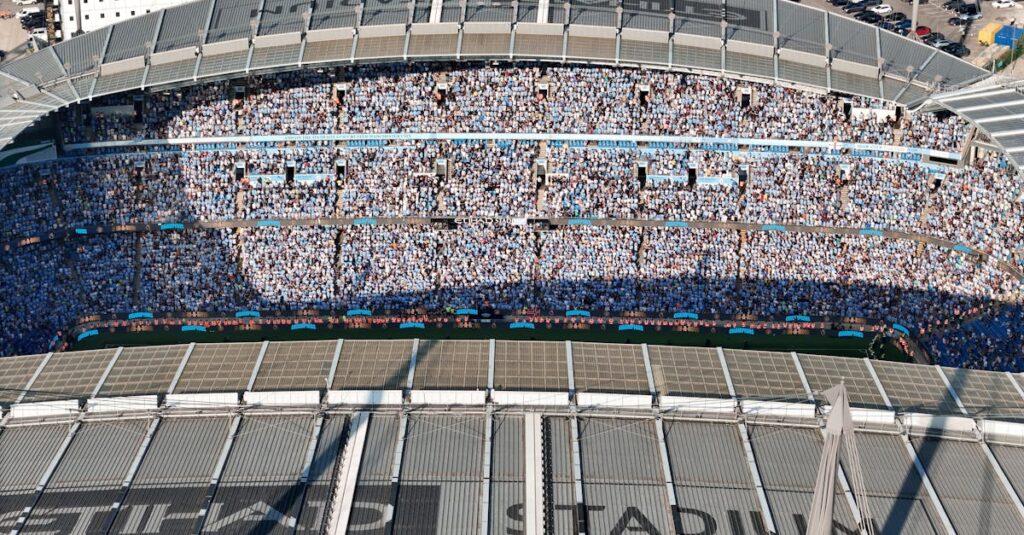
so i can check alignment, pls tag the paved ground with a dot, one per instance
(13, 39)
(935, 17)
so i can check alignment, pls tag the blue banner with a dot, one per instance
(870, 232)
(522, 325)
(963, 248)
(140, 315)
(798, 317)
(682, 224)
(467, 312)
(86, 334)
(365, 221)
(901, 329)
(631, 327)
(412, 325)
(311, 178)
(358, 312)
(685, 316)
(851, 334)
(779, 228)
(247, 314)
(172, 226)
(741, 330)
(266, 178)
(577, 221)
(575, 313)
(191, 328)
(81, 231)
(268, 223)
(303, 327)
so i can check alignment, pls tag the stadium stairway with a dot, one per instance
(137, 270)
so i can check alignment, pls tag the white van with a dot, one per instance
(25, 2)
(29, 11)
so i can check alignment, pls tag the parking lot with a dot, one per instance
(13, 39)
(934, 16)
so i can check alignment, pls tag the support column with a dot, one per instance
(217, 472)
(412, 366)
(35, 375)
(569, 368)
(341, 502)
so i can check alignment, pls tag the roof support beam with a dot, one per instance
(412, 366)
(256, 367)
(115, 508)
(106, 372)
(577, 477)
(666, 469)
(181, 368)
(485, 490)
(217, 473)
(343, 496)
(569, 369)
(533, 477)
(334, 363)
(844, 482)
(490, 365)
(943, 517)
(878, 383)
(1016, 116)
(45, 480)
(396, 470)
(969, 93)
(1017, 132)
(980, 107)
(32, 381)
(949, 388)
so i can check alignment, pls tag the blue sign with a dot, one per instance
(798, 317)
(578, 222)
(962, 249)
(412, 325)
(685, 316)
(741, 330)
(190, 328)
(467, 312)
(365, 221)
(851, 334)
(247, 314)
(268, 223)
(81, 231)
(682, 224)
(172, 226)
(870, 232)
(779, 228)
(140, 315)
(574, 313)
(631, 327)
(901, 329)
(358, 312)
(303, 327)
(522, 325)
(86, 334)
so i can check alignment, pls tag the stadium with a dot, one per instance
(293, 266)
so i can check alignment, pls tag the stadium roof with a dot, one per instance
(491, 436)
(772, 40)
(996, 107)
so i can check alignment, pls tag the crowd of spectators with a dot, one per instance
(515, 266)
(506, 98)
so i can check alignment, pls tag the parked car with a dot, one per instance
(28, 11)
(24, 2)
(922, 31)
(954, 5)
(931, 38)
(896, 17)
(1004, 4)
(868, 17)
(957, 50)
(3, 55)
(881, 9)
(957, 21)
(969, 16)
(40, 33)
